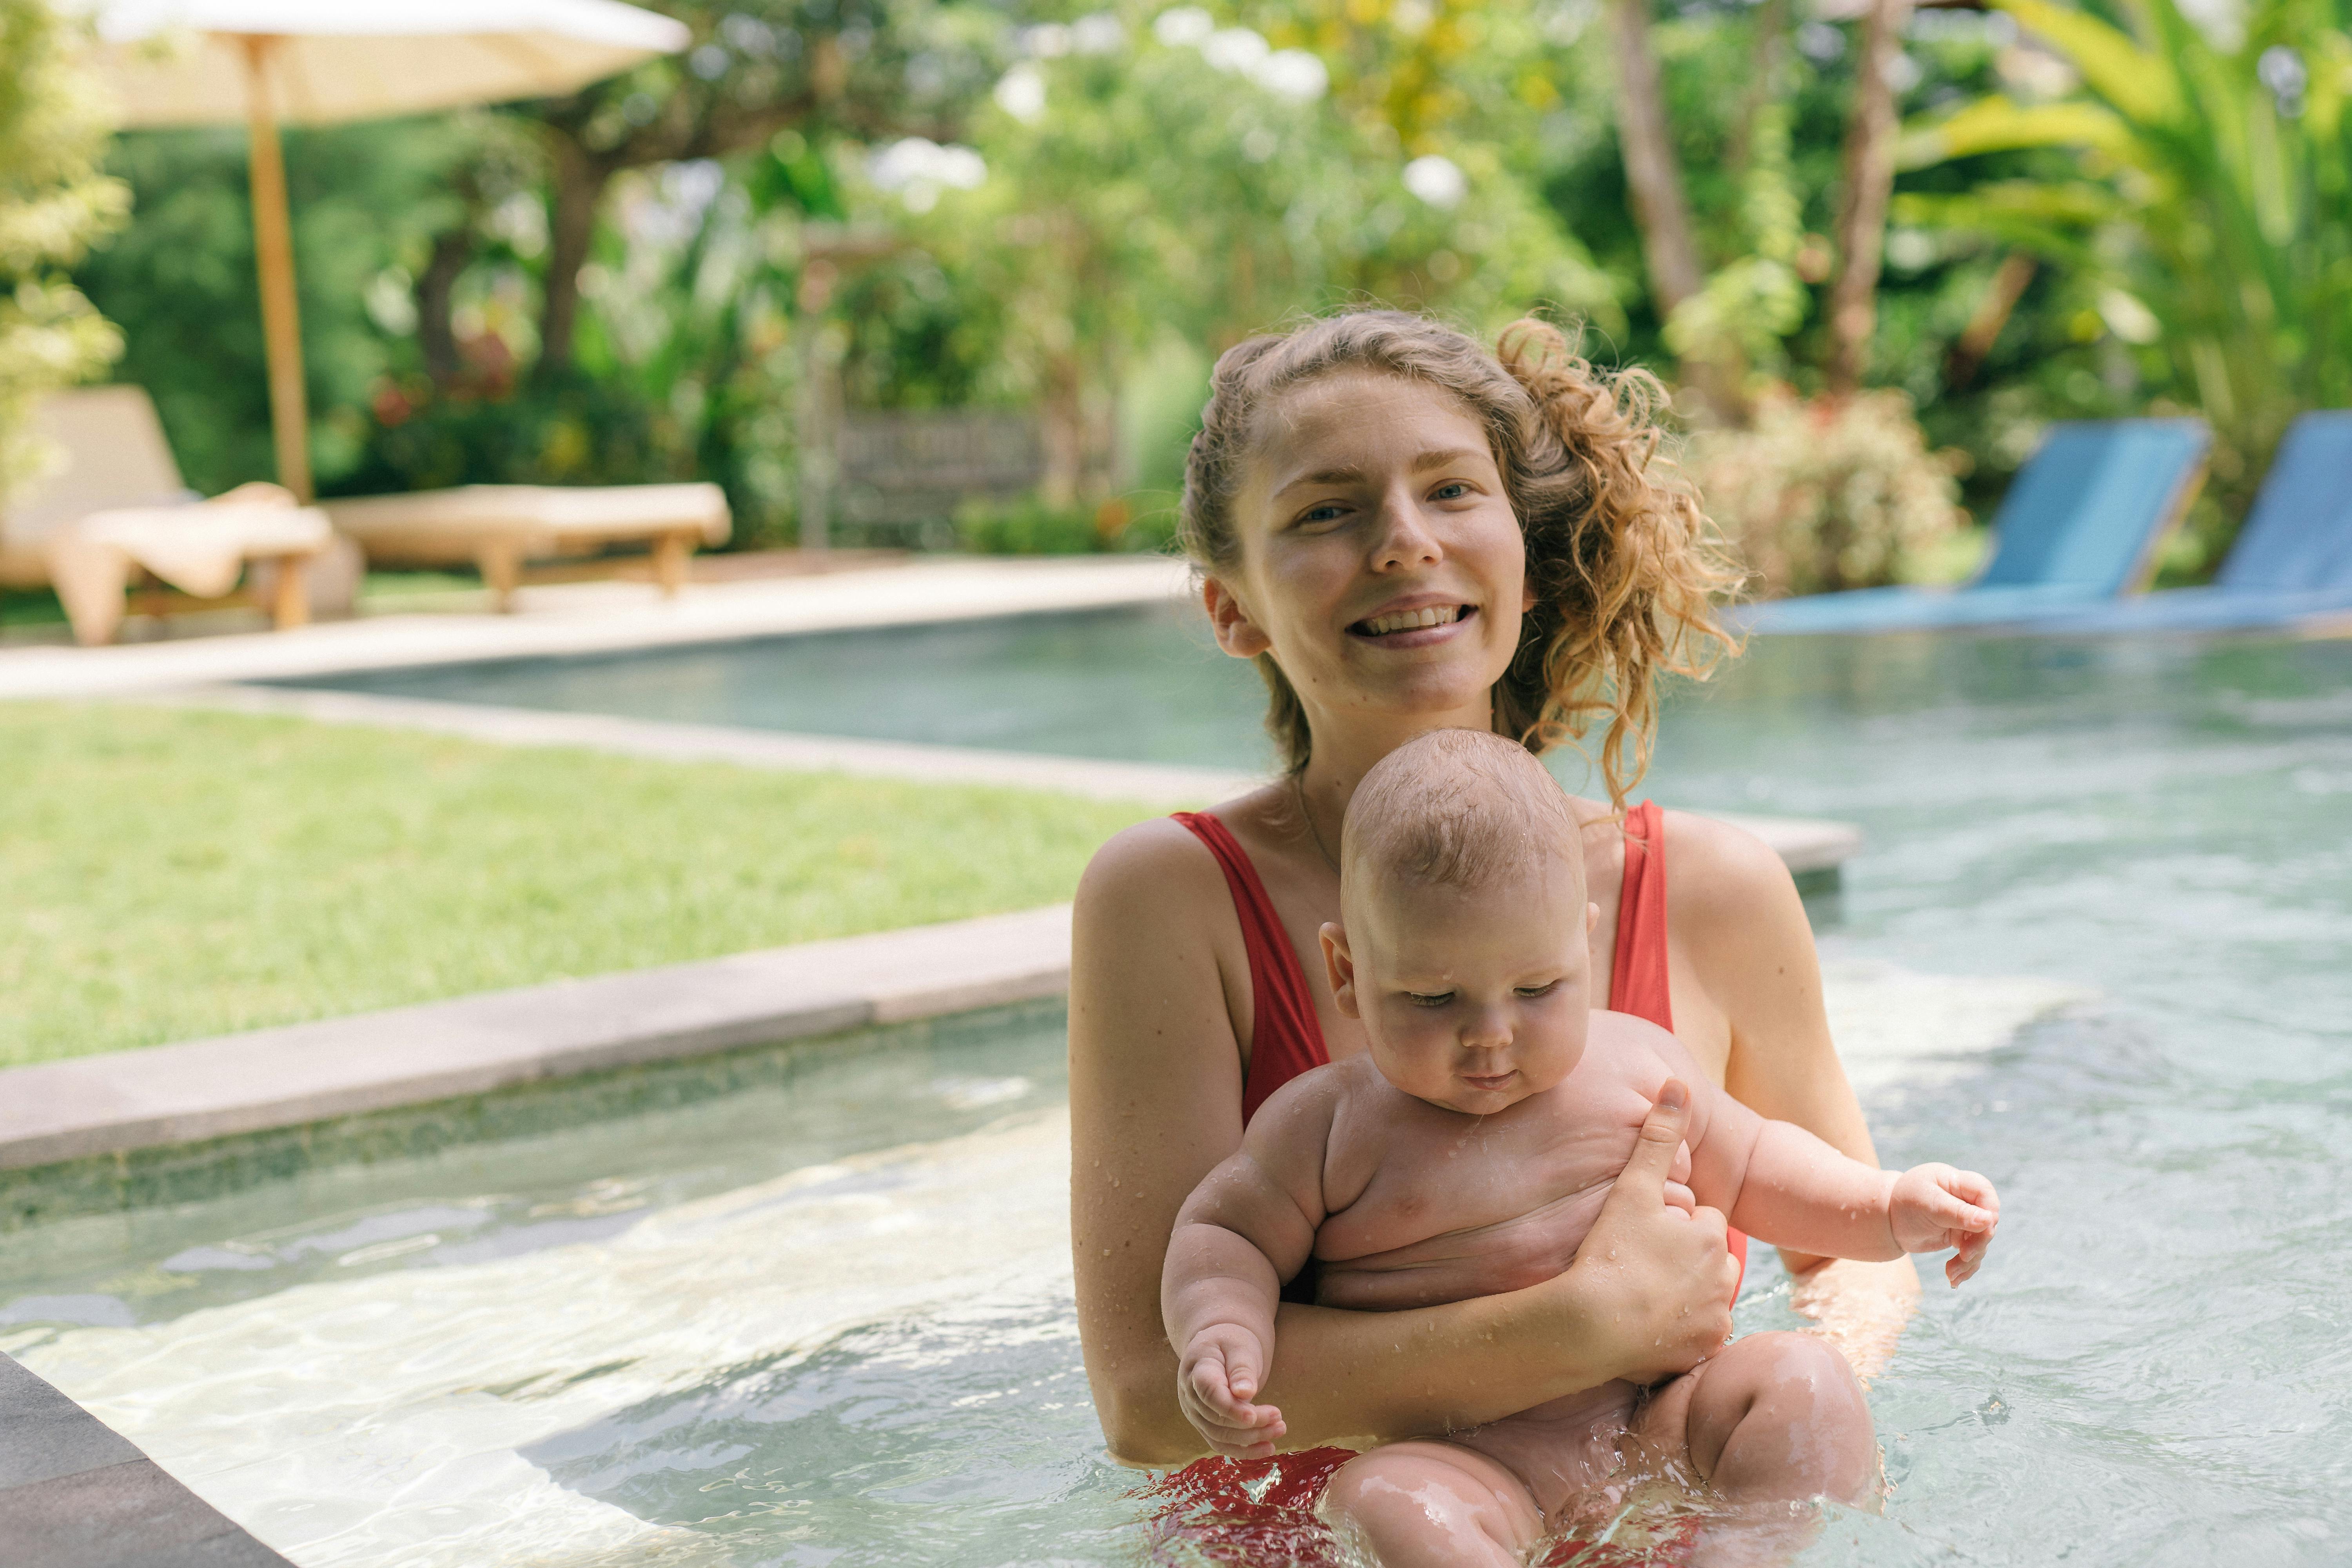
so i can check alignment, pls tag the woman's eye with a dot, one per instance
(1429, 998)
(1329, 512)
(1452, 489)
(1546, 989)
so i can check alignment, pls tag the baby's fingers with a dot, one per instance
(1968, 1257)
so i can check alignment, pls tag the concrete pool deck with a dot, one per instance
(606, 617)
(74, 1493)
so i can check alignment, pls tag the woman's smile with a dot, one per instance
(1412, 626)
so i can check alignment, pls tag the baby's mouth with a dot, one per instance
(1413, 620)
(1489, 1081)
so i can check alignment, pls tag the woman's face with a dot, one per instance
(1381, 561)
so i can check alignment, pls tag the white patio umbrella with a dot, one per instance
(321, 62)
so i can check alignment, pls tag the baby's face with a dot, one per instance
(1471, 998)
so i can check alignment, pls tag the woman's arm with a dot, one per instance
(1155, 1103)
(1736, 918)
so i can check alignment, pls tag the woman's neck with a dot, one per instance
(1344, 753)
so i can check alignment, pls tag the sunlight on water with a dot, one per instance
(2096, 947)
(879, 1318)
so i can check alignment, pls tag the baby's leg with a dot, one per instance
(1777, 1418)
(1431, 1504)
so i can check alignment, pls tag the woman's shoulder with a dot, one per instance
(1158, 852)
(1719, 874)
(1161, 858)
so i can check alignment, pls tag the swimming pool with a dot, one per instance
(1134, 684)
(824, 1318)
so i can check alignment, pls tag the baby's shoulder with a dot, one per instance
(1637, 1051)
(1315, 1098)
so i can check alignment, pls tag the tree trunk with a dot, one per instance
(1993, 312)
(1063, 429)
(1654, 174)
(1869, 186)
(436, 288)
(1652, 170)
(580, 180)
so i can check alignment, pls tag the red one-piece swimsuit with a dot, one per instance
(1286, 1040)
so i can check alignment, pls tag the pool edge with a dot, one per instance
(75, 1493)
(268, 1079)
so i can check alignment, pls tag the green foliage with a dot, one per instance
(2207, 222)
(180, 281)
(1830, 494)
(172, 874)
(1031, 526)
(54, 202)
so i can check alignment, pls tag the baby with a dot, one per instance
(1469, 1151)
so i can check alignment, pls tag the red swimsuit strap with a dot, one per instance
(1637, 976)
(1285, 1038)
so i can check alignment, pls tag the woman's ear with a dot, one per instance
(1229, 619)
(1339, 967)
(1592, 919)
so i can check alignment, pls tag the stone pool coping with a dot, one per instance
(74, 1493)
(302, 1073)
(664, 740)
(1806, 845)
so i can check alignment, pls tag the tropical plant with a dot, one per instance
(2207, 217)
(1835, 492)
(54, 202)
(871, 68)
(1194, 177)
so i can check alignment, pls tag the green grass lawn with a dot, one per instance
(166, 875)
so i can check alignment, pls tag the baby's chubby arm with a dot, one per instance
(1248, 1227)
(1780, 1183)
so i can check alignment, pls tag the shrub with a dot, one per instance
(1030, 527)
(1828, 493)
(53, 203)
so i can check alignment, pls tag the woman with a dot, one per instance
(1407, 532)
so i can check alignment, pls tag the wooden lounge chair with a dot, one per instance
(2293, 560)
(2080, 524)
(114, 520)
(501, 527)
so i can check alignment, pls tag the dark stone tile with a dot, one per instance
(236, 1550)
(43, 1435)
(131, 1515)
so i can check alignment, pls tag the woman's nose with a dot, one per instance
(1405, 539)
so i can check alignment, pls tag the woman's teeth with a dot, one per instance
(1414, 620)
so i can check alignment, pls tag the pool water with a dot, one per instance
(2096, 947)
(1142, 685)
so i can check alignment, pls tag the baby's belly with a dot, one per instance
(1457, 1266)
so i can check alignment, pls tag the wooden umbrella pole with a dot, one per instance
(273, 248)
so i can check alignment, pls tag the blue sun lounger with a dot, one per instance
(2293, 559)
(2080, 525)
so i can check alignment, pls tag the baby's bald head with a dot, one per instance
(1457, 808)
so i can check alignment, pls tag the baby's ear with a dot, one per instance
(1340, 966)
(1592, 919)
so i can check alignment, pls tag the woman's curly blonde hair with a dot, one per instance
(1625, 567)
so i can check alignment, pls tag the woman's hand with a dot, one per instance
(1653, 1279)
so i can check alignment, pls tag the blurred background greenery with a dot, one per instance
(1982, 220)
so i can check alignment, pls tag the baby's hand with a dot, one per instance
(1217, 1375)
(1934, 1206)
